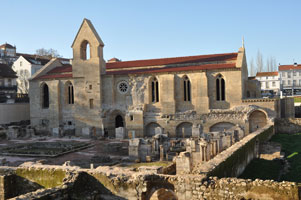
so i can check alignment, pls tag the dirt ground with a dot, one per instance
(103, 152)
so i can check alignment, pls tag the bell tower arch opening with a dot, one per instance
(85, 50)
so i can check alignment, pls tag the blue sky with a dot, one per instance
(139, 29)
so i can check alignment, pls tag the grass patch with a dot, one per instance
(297, 99)
(262, 169)
(291, 145)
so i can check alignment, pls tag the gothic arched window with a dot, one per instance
(45, 96)
(155, 90)
(220, 88)
(187, 89)
(69, 93)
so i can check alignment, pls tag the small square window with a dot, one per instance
(131, 117)
(90, 87)
(69, 123)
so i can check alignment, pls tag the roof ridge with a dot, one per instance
(177, 57)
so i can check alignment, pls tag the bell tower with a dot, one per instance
(87, 51)
(88, 66)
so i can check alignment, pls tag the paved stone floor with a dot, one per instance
(103, 152)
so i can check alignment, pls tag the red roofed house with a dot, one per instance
(290, 79)
(270, 83)
(180, 96)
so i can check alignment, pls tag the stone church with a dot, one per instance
(180, 96)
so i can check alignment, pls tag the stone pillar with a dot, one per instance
(161, 153)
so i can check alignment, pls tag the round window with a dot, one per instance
(123, 87)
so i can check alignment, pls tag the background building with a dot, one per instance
(269, 83)
(8, 84)
(25, 66)
(290, 76)
(7, 53)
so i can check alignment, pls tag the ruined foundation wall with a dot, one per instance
(232, 161)
(288, 126)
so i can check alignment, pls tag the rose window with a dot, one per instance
(123, 87)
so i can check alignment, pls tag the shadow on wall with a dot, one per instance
(88, 187)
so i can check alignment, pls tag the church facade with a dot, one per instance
(178, 96)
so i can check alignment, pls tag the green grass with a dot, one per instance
(297, 99)
(291, 145)
(262, 169)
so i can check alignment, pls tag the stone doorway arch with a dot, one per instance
(163, 194)
(257, 120)
(221, 126)
(151, 129)
(119, 121)
(184, 130)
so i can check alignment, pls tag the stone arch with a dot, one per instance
(111, 123)
(150, 129)
(163, 194)
(221, 126)
(44, 95)
(184, 130)
(119, 122)
(85, 50)
(257, 120)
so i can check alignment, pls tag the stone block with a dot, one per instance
(55, 132)
(86, 131)
(120, 133)
(131, 134)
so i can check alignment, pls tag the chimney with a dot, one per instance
(295, 64)
(112, 60)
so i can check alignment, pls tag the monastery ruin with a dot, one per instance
(200, 113)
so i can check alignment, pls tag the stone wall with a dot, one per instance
(232, 161)
(288, 126)
(14, 112)
(118, 183)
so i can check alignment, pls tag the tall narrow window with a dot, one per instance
(70, 93)
(187, 93)
(45, 96)
(220, 88)
(155, 90)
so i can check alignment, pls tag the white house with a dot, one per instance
(270, 83)
(25, 66)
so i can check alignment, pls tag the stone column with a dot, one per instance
(161, 153)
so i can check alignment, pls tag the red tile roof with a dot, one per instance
(173, 69)
(267, 74)
(175, 60)
(51, 76)
(64, 71)
(288, 67)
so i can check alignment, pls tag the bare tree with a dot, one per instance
(259, 61)
(48, 52)
(23, 84)
(268, 64)
(252, 73)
